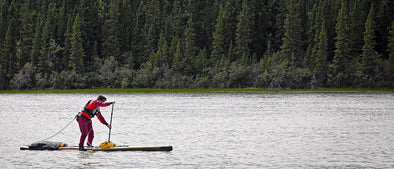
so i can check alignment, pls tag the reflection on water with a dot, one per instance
(208, 130)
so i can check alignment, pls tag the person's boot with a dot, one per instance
(81, 148)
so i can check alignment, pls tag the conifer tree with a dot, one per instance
(292, 46)
(3, 19)
(2, 31)
(152, 26)
(278, 18)
(51, 19)
(179, 18)
(36, 45)
(320, 70)
(26, 32)
(201, 62)
(90, 30)
(390, 48)
(369, 55)
(111, 31)
(315, 19)
(125, 30)
(77, 53)
(169, 31)
(331, 15)
(218, 37)
(168, 20)
(137, 43)
(62, 23)
(8, 58)
(46, 59)
(341, 62)
(204, 16)
(261, 25)
(176, 49)
(244, 32)
(190, 48)
(42, 64)
(177, 61)
(65, 60)
(384, 14)
(356, 19)
(230, 20)
(160, 57)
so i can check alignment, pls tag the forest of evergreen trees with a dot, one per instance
(74, 44)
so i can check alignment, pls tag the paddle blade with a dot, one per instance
(106, 144)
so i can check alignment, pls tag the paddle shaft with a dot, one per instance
(110, 123)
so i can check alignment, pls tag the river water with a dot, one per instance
(207, 130)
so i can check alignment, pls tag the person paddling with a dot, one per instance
(91, 109)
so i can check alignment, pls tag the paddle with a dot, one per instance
(110, 123)
(108, 144)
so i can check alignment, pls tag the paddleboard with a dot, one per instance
(116, 148)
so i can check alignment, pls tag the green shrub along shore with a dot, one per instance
(150, 90)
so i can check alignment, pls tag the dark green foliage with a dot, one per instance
(244, 32)
(9, 57)
(357, 20)
(70, 44)
(322, 53)
(390, 48)
(341, 64)
(369, 56)
(77, 52)
(190, 49)
(218, 44)
(292, 46)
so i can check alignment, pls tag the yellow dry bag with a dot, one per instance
(106, 144)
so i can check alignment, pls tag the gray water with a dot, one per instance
(207, 130)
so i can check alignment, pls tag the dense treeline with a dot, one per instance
(69, 44)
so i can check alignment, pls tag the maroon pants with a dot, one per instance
(86, 129)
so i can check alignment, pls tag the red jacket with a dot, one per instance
(92, 108)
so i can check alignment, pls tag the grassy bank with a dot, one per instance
(147, 90)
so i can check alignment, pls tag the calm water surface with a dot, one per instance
(207, 130)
